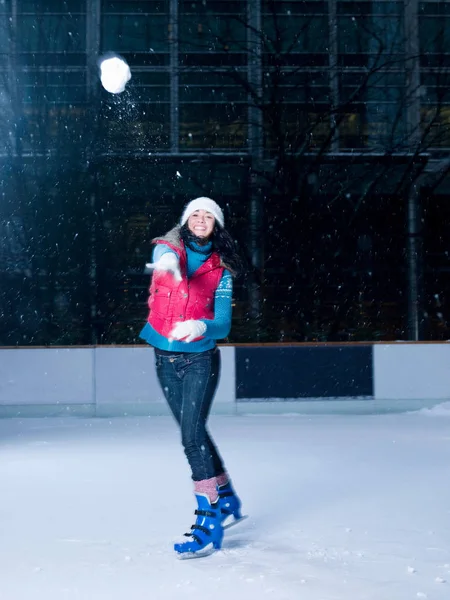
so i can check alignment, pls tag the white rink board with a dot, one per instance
(48, 376)
(127, 376)
(411, 371)
(110, 380)
(118, 381)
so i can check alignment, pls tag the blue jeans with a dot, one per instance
(189, 381)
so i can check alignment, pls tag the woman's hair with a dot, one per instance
(222, 243)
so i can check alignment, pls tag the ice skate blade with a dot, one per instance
(230, 521)
(206, 551)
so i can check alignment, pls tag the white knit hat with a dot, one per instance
(203, 203)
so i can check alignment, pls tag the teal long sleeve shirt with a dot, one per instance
(216, 328)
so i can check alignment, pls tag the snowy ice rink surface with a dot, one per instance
(340, 508)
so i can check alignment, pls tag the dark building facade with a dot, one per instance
(322, 127)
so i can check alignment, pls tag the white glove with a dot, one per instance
(167, 262)
(187, 330)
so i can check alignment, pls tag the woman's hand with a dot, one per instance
(187, 331)
(167, 262)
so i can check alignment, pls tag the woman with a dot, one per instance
(190, 308)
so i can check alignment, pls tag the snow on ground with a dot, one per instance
(340, 508)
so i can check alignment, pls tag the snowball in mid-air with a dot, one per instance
(114, 74)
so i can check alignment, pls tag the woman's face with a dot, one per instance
(201, 223)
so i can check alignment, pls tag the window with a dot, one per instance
(212, 83)
(5, 12)
(434, 23)
(370, 29)
(213, 126)
(137, 126)
(138, 120)
(135, 33)
(434, 40)
(138, 30)
(59, 87)
(51, 38)
(371, 65)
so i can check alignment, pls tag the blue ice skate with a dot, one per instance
(206, 534)
(230, 505)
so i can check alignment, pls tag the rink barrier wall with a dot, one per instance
(108, 381)
(303, 372)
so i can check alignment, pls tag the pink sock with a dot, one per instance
(222, 479)
(208, 487)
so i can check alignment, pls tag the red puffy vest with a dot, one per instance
(171, 301)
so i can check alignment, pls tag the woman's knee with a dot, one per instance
(194, 442)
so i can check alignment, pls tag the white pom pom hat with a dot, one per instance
(203, 203)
